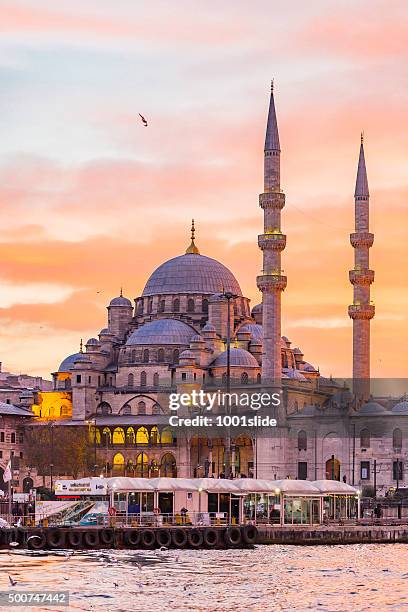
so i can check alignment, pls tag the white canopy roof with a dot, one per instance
(224, 485)
(334, 486)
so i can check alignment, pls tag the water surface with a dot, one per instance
(333, 578)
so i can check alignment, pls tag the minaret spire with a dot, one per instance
(272, 242)
(362, 310)
(361, 180)
(192, 248)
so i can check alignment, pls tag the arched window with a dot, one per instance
(160, 355)
(143, 379)
(176, 355)
(142, 466)
(126, 409)
(150, 307)
(65, 410)
(133, 356)
(154, 469)
(142, 436)
(365, 438)
(224, 378)
(130, 436)
(190, 305)
(156, 409)
(140, 307)
(141, 408)
(155, 379)
(154, 435)
(176, 305)
(302, 440)
(397, 439)
(118, 435)
(106, 437)
(168, 466)
(166, 436)
(118, 463)
(205, 306)
(146, 356)
(131, 380)
(104, 409)
(162, 305)
(244, 378)
(258, 379)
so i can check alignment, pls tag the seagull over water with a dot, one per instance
(144, 121)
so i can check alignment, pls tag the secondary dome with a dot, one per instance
(120, 301)
(162, 331)
(68, 363)
(191, 273)
(239, 358)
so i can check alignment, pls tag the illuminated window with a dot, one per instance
(130, 435)
(142, 436)
(166, 437)
(154, 435)
(118, 463)
(142, 466)
(118, 435)
(168, 466)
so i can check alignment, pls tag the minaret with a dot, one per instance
(361, 311)
(272, 242)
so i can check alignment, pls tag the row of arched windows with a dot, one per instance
(153, 356)
(175, 307)
(244, 378)
(131, 436)
(143, 379)
(365, 439)
(144, 468)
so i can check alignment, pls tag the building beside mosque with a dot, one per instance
(174, 337)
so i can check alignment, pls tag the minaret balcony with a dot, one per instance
(361, 239)
(271, 281)
(361, 311)
(361, 277)
(272, 241)
(272, 199)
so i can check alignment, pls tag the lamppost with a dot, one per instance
(93, 422)
(227, 458)
(52, 454)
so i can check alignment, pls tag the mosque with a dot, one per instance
(175, 335)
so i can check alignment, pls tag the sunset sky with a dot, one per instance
(91, 200)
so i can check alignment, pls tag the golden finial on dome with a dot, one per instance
(81, 349)
(362, 137)
(121, 292)
(192, 248)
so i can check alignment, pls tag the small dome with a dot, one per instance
(255, 329)
(257, 309)
(297, 351)
(309, 368)
(294, 374)
(197, 338)
(372, 408)
(187, 355)
(68, 363)
(401, 407)
(209, 328)
(240, 358)
(92, 342)
(105, 332)
(162, 331)
(121, 301)
(191, 273)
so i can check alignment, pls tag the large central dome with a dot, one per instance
(191, 273)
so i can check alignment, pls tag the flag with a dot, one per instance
(7, 476)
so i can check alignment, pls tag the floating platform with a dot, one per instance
(333, 534)
(94, 538)
(233, 536)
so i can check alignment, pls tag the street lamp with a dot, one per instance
(52, 454)
(227, 459)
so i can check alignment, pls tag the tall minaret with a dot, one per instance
(271, 242)
(361, 311)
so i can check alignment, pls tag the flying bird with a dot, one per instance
(12, 581)
(144, 121)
